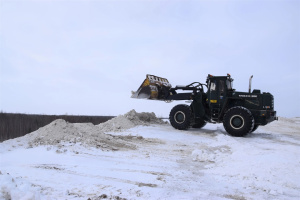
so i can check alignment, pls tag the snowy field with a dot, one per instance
(137, 156)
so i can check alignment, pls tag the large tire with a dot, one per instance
(180, 117)
(254, 128)
(238, 121)
(200, 124)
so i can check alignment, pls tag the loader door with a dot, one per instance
(217, 92)
(212, 93)
(216, 96)
(222, 93)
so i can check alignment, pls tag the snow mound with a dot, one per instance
(203, 155)
(211, 154)
(16, 189)
(62, 133)
(130, 120)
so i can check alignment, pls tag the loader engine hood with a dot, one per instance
(256, 99)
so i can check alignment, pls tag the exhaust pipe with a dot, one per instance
(250, 80)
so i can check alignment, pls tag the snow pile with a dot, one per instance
(130, 120)
(203, 155)
(210, 154)
(62, 133)
(290, 125)
(11, 188)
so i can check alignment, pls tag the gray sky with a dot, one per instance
(85, 57)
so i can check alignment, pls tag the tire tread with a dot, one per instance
(187, 110)
(248, 120)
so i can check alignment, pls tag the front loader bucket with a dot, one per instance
(153, 87)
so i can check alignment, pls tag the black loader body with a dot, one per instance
(240, 112)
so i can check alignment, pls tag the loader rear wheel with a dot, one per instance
(238, 121)
(180, 117)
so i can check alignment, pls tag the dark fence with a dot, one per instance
(16, 125)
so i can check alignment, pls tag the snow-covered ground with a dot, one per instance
(151, 161)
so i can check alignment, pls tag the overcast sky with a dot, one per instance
(85, 57)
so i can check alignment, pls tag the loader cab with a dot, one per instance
(218, 90)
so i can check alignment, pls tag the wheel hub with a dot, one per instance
(179, 117)
(236, 122)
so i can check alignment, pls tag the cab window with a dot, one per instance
(229, 84)
(213, 86)
(221, 86)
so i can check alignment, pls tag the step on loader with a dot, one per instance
(240, 112)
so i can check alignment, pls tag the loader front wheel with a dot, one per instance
(180, 117)
(200, 124)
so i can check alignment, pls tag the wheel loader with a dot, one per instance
(240, 112)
